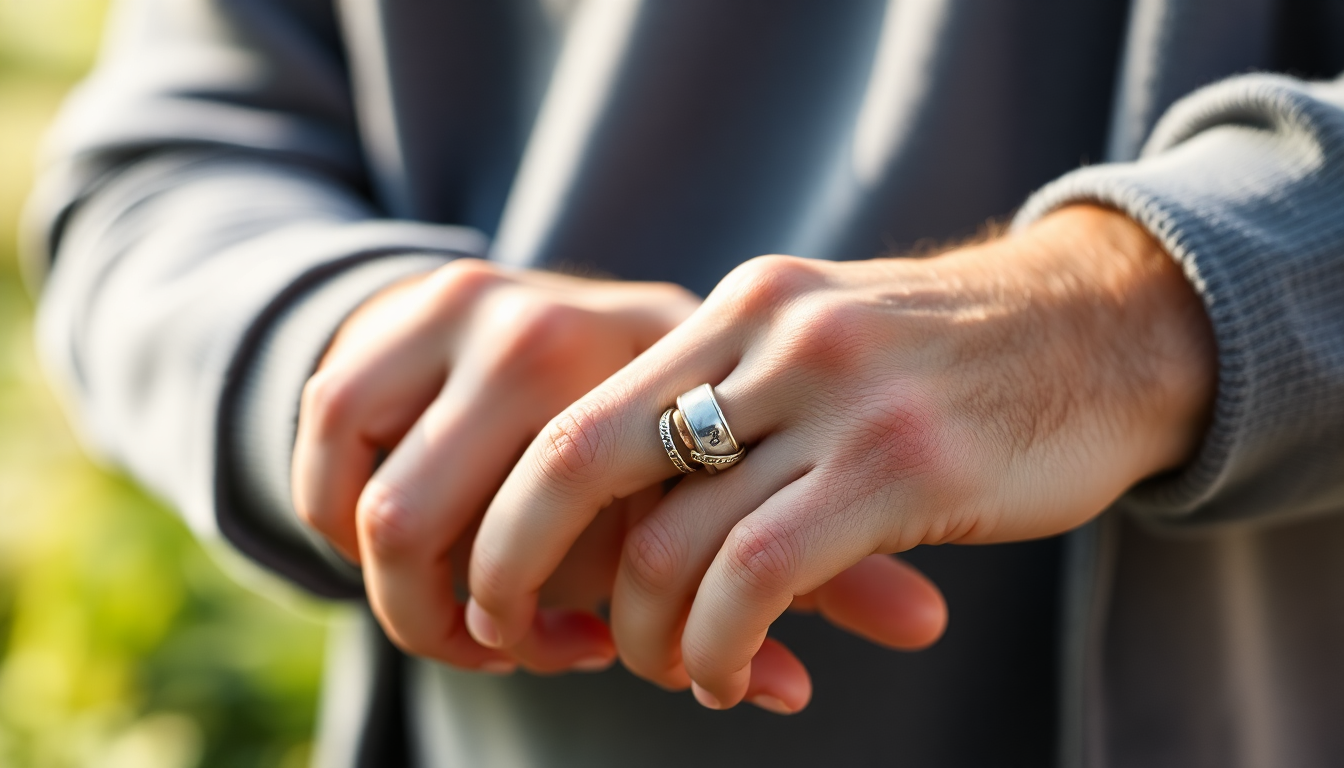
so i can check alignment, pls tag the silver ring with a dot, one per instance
(712, 438)
(665, 434)
(705, 460)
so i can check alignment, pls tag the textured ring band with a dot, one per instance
(665, 434)
(719, 462)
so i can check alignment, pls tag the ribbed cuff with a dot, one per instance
(1252, 215)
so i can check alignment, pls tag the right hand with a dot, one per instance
(450, 375)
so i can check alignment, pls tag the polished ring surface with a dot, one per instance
(713, 442)
(665, 434)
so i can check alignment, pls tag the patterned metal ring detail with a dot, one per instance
(665, 434)
(722, 462)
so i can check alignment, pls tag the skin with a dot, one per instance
(1000, 392)
(450, 376)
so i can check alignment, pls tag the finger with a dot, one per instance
(561, 640)
(792, 544)
(666, 555)
(603, 447)
(804, 603)
(413, 509)
(887, 601)
(458, 648)
(344, 425)
(329, 472)
(435, 484)
(355, 407)
(647, 310)
(779, 682)
(585, 577)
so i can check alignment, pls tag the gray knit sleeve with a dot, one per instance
(203, 213)
(1243, 183)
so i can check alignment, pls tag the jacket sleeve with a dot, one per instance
(201, 225)
(1243, 182)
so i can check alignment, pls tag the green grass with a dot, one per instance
(121, 641)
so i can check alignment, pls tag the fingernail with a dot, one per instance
(705, 697)
(498, 667)
(770, 703)
(482, 627)
(592, 664)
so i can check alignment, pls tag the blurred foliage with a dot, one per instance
(121, 642)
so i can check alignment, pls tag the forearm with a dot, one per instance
(1242, 184)
(1134, 337)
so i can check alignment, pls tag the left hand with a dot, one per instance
(1005, 391)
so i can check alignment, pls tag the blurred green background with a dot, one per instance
(121, 641)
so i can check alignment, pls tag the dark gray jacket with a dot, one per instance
(238, 174)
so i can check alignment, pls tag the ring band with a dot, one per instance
(720, 463)
(683, 431)
(665, 434)
(712, 440)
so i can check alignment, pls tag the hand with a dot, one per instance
(1001, 392)
(450, 375)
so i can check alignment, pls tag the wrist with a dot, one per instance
(1142, 332)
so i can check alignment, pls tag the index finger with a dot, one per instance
(604, 447)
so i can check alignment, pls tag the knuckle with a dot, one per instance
(328, 402)
(907, 449)
(388, 524)
(461, 281)
(762, 557)
(572, 446)
(765, 283)
(902, 436)
(653, 557)
(825, 335)
(542, 336)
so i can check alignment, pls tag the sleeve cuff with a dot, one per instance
(1242, 185)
